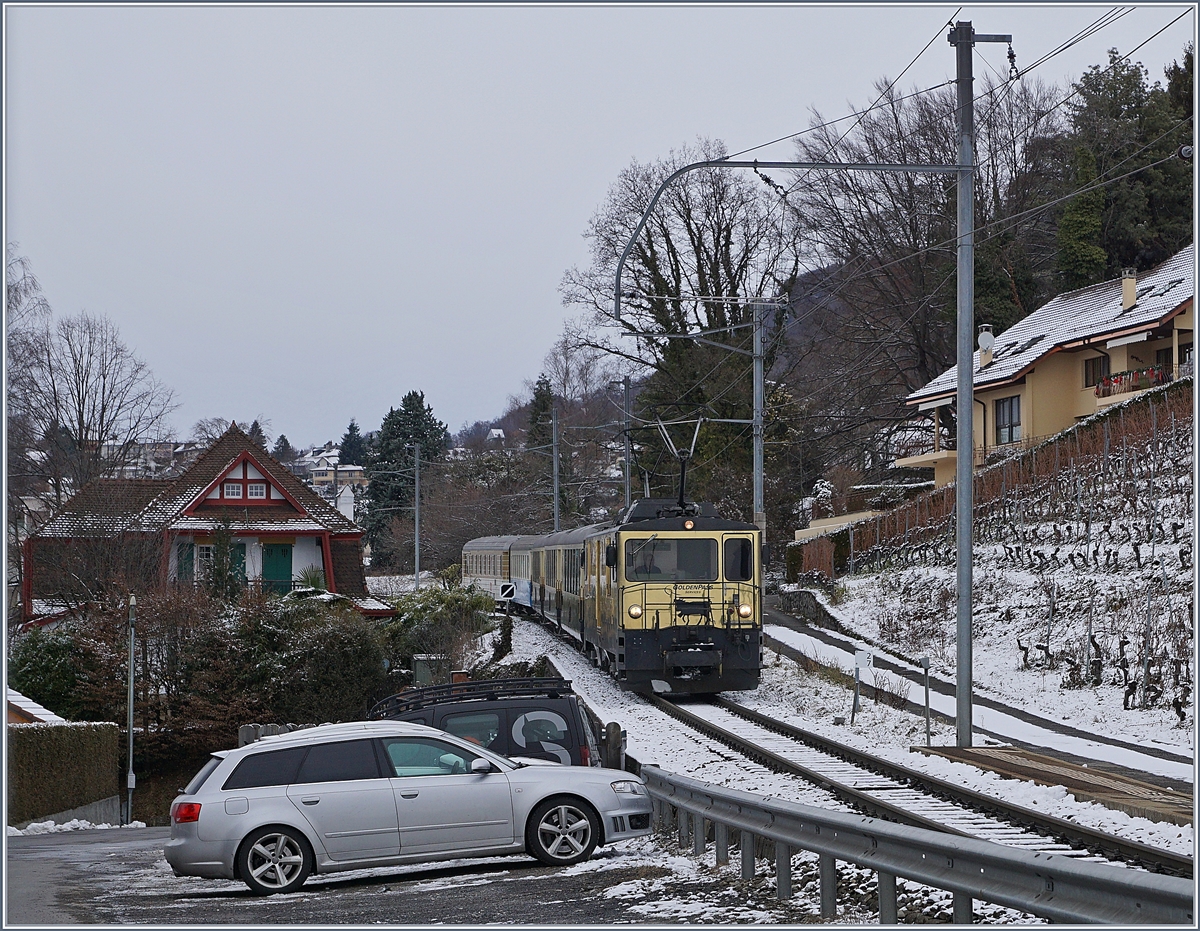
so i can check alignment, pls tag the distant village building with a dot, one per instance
(1079, 353)
(139, 534)
(326, 471)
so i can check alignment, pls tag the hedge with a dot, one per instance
(57, 767)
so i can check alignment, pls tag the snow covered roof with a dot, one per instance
(106, 507)
(27, 709)
(1075, 319)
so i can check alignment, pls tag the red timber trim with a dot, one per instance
(27, 579)
(327, 558)
(244, 457)
(375, 612)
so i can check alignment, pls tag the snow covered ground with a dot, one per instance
(996, 725)
(811, 701)
(1100, 548)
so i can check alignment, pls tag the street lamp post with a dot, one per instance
(130, 780)
(416, 448)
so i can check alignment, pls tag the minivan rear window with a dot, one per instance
(481, 727)
(273, 768)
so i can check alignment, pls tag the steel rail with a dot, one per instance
(1077, 835)
(1056, 829)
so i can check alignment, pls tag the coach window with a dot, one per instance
(739, 559)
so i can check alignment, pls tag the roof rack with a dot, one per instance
(481, 690)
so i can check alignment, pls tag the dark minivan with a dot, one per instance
(534, 718)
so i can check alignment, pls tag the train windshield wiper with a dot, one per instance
(637, 549)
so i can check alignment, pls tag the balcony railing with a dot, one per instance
(1135, 380)
(277, 586)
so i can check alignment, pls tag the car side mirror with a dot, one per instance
(610, 556)
(480, 765)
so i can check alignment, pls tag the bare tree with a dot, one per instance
(90, 400)
(715, 239)
(27, 312)
(877, 320)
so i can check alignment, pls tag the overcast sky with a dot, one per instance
(306, 212)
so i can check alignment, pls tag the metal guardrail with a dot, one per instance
(1059, 889)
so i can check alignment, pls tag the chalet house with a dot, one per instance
(1076, 355)
(141, 533)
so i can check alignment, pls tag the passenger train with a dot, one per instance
(667, 599)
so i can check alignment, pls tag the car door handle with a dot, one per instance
(311, 799)
(411, 793)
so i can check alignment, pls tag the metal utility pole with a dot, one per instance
(760, 515)
(628, 444)
(554, 456)
(417, 514)
(130, 780)
(963, 38)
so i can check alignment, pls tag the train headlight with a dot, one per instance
(635, 611)
(689, 524)
(745, 610)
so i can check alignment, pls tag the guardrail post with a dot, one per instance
(721, 837)
(963, 906)
(747, 847)
(698, 832)
(658, 814)
(829, 878)
(783, 871)
(887, 899)
(681, 816)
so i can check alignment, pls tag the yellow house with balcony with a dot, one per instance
(1074, 356)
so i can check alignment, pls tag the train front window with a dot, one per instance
(739, 559)
(658, 560)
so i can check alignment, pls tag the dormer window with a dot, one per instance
(256, 490)
(233, 489)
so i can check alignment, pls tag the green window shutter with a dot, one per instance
(185, 562)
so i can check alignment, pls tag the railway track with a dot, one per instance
(883, 789)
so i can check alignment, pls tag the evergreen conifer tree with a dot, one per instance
(353, 447)
(257, 435)
(391, 468)
(283, 450)
(541, 408)
(1081, 258)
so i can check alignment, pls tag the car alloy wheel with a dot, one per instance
(562, 831)
(274, 860)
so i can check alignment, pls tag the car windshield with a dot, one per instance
(654, 559)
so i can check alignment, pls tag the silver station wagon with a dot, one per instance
(369, 794)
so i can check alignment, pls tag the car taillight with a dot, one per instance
(585, 754)
(185, 812)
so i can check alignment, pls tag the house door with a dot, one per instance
(277, 567)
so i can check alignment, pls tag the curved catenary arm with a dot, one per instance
(727, 163)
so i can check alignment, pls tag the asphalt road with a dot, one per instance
(119, 876)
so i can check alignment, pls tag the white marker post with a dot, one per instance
(925, 666)
(862, 659)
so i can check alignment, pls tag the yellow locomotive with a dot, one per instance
(667, 599)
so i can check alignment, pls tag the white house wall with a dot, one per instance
(305, 555)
